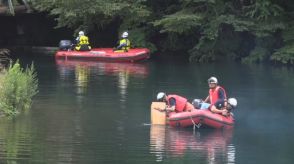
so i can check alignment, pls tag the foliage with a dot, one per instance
(91, 14)
(4, 58)
(262, 50)
(180, 22)
(139, 39)
(258, 54)
(285, 54)
(208, 30)
(18, 86)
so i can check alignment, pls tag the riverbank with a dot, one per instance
(43, 50)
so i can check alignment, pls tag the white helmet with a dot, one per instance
(81, 33)
(212, 80)
(125, 34)
(233, 102)
(160, 95)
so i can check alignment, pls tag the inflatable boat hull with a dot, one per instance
(105, 54)
(200, 117)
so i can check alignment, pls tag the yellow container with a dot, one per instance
(158, 113)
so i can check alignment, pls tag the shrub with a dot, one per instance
(17, 87)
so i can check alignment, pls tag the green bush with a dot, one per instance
(17, 87)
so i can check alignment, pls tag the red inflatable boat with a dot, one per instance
(105, 54)
(199, 118)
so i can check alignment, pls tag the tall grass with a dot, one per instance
(17, 87)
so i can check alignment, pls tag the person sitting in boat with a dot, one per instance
(216, 94)
(82, 42)
(124, 43)
(217, 98)
(175, 103)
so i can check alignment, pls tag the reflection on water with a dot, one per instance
(157, 141)
(214, 145)
(15, 140)
(82, 78)
(84, 70)
(123, 79)
(92, 112)
(103, 68)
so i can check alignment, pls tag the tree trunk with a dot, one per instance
(27, 5)
(11, 8)
(20, 9)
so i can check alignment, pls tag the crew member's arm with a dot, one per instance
(219, 107)
(215, 110)
(207, 99)
(172, 105)
(77, 40)
(121, 46)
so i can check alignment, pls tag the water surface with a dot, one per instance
(95, 112)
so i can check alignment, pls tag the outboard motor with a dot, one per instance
(65, 45)
(197, 103)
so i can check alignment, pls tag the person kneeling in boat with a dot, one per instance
(221, 107)
(175, 103)
(82, 42)
(124, 43)
(224, 107)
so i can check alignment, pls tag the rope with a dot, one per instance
(194, 124)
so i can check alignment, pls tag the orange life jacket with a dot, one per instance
(213, 94)
(180, 102)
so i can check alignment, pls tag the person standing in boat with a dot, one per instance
(124, 43)
(174, 103)
(82, 42)
(217, 98)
